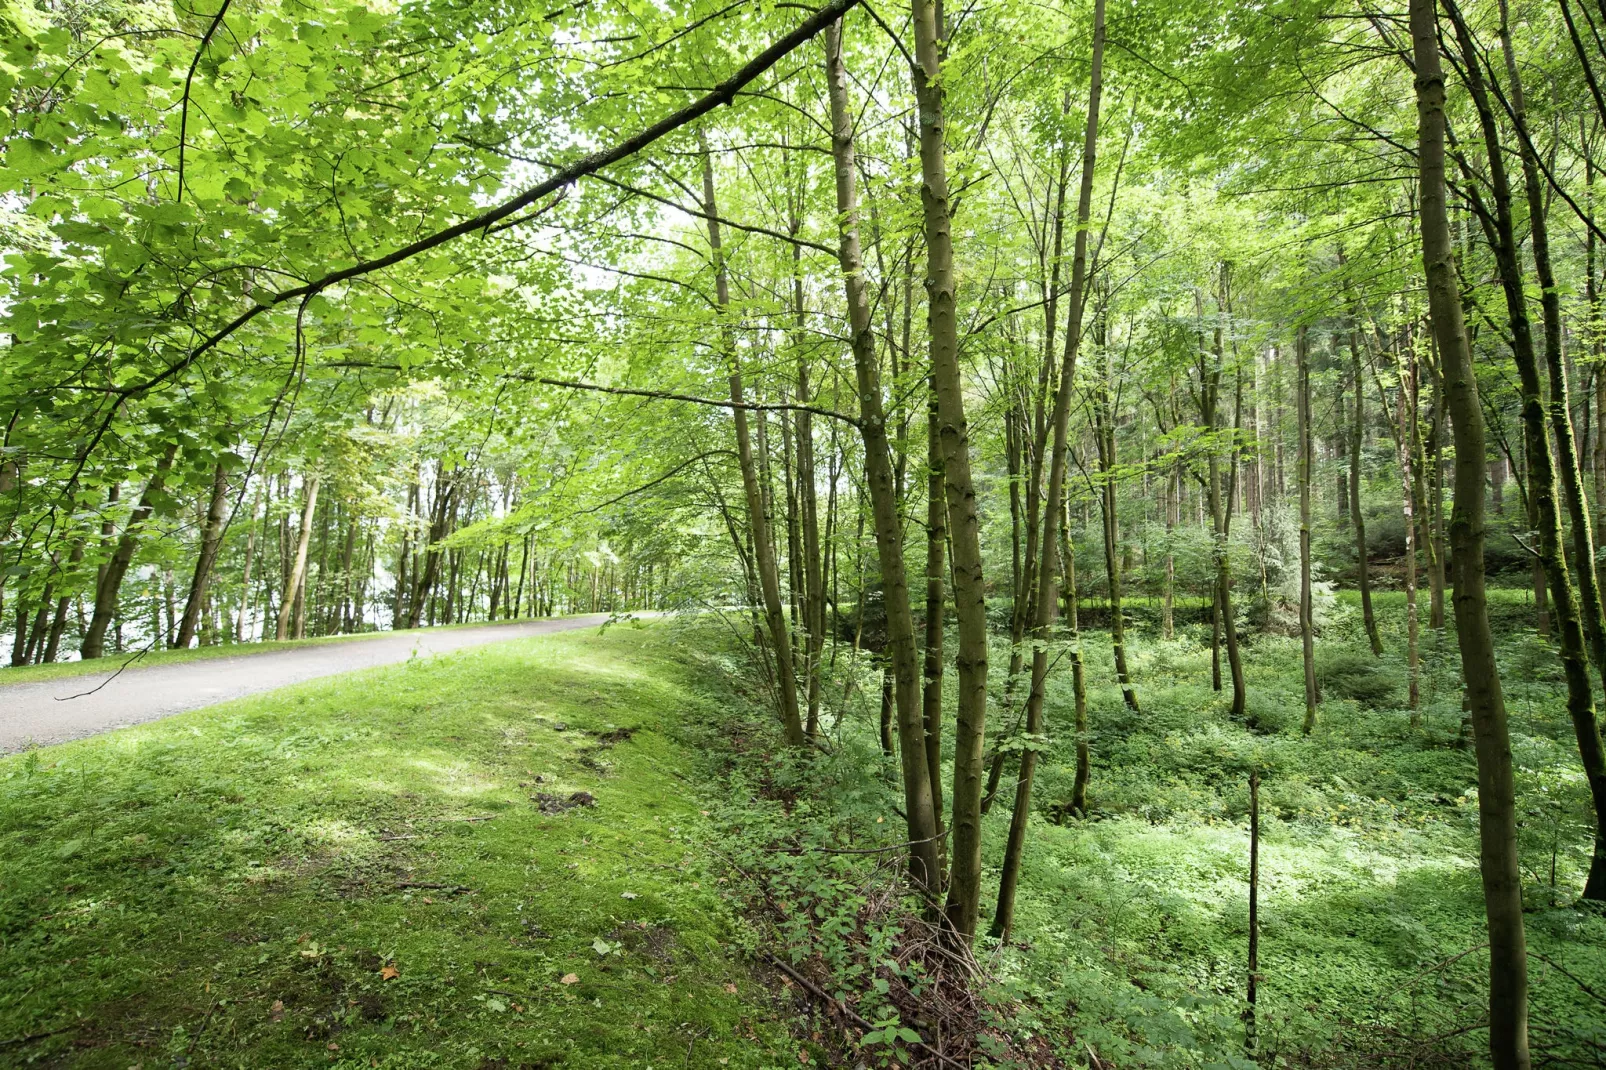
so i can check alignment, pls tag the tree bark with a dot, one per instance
(936, 608)
(111, 576)
(1407, 421)
(1307, 623)
(1104, 438)
(1221, 517)
(1580, 703)
(292, 601)
(211, 540)
(1363, 568)
(919, 808)
(1047, 574)
(964, 524)
(1497, 825)
(758, 518)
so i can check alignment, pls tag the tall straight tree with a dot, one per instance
(1047, 574)
(1497, 816)
(757, 511)
(211, 540)
(1363, 572)
(1586, 726)
(964, 522)
(1570, 619)
(919, 808)
(1307, 623)
(292, 604)
(1221, 513)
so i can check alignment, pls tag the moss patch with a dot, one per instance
(360, 871)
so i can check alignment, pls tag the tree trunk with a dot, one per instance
(758, 518)
(1307, 623)
(964, 524)
(1407, 421)
(111, 577)
(1104, 437)
(936, 611)
(1221, 517)
(1585, 617)
(211, 540)
(1046, 574)
(245, 576)
(1068, 594)
(293, 589)
(919, 807)
(59, 624)
(1363, 568)
(1497, 824)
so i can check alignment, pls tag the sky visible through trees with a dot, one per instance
(993, 371)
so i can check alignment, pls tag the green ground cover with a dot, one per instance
(234, 886)
(361, 871)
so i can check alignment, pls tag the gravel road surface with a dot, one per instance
(44, 712)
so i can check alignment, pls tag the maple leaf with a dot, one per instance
(389, 973)
(570, 979)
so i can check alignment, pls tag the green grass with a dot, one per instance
(23, 674)
(1137, 919)
(230, 887)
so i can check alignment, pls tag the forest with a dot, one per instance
(1072, 523)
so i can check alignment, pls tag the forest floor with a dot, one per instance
(44, 704)
(366, 870)
(485, 859)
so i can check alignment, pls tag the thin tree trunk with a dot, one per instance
(964, 524)
(904, 670)
(111, 578)
(1407, 421)
(1078, 672)
(59, 624)
(211, 540)
(1307, 622)
(1497, 824)
(1363, 568)
(1046, 575)
(245, 576)
(936, 611)
(1580, 703)
(1104, 437)
(758, 518)
(1222, 516)
(293, 593)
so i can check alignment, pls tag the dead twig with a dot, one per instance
(848, 1012)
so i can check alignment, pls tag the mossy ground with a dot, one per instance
(352, 872)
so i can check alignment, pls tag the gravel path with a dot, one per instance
(42, 713)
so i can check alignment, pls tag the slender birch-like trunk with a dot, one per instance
(758, 517)
(1047, 575)
(1497, 821)
(294, 593)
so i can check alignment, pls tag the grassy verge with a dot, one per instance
(367, 871)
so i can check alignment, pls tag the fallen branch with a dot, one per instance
(848, 1012)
